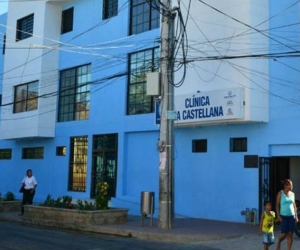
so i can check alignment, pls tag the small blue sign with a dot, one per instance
(157, 111)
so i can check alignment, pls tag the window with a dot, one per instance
(74, 94)
(199, 146)
(26, 97)
(24, 27)
(61, 151)
(5, 154)
(140, 64)
(238, 144)
(78, 164)
(251, 161)
(144, 16)
(110, 8)
(4, 44)
(67, 20)
(33, 153)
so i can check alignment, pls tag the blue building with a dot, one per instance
(75, 110)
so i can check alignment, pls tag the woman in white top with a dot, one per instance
(29, 182)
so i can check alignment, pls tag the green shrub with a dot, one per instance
(9, 196)
(59, 202)
(101, 199)
(86, 205)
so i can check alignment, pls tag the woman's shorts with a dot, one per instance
(287, 224)
(268, 238)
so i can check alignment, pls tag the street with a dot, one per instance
(16, 236)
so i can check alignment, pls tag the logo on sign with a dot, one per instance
(229, 111)
(229, 95)
(229, 103)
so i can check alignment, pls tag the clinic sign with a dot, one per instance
(220, 105)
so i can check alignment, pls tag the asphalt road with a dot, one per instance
(16, 236)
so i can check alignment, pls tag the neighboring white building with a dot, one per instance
(74, 106)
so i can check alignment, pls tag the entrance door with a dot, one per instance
(272, 171)
(281, 171)
(104, 165)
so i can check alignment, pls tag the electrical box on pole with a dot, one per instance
(153, 84)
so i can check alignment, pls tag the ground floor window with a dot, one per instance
(61, 151)
(78, 164)
(238, 144)
(33, 153)
(199, 146)
(5, 154)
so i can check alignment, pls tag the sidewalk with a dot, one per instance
(185, 229)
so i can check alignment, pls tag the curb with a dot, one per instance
(161, 236)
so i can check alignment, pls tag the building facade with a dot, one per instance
(75, 109)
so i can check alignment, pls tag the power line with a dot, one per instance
(247, 25)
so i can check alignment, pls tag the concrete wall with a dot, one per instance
(30, 60)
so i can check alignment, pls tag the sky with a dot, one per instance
(3, 6)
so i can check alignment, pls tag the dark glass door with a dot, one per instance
(104, 165)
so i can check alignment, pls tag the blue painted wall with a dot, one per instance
(3, 18)
(212, 185)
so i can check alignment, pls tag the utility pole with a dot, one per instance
(166, 141)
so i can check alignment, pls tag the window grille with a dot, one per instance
(67, 20)
(74, 94)
(78, 164)
(5, 154)
(25, 27)
(110, 8)
(238, 144)
(144, 16)
(33, 153)
(140, 64)
(199, 146)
